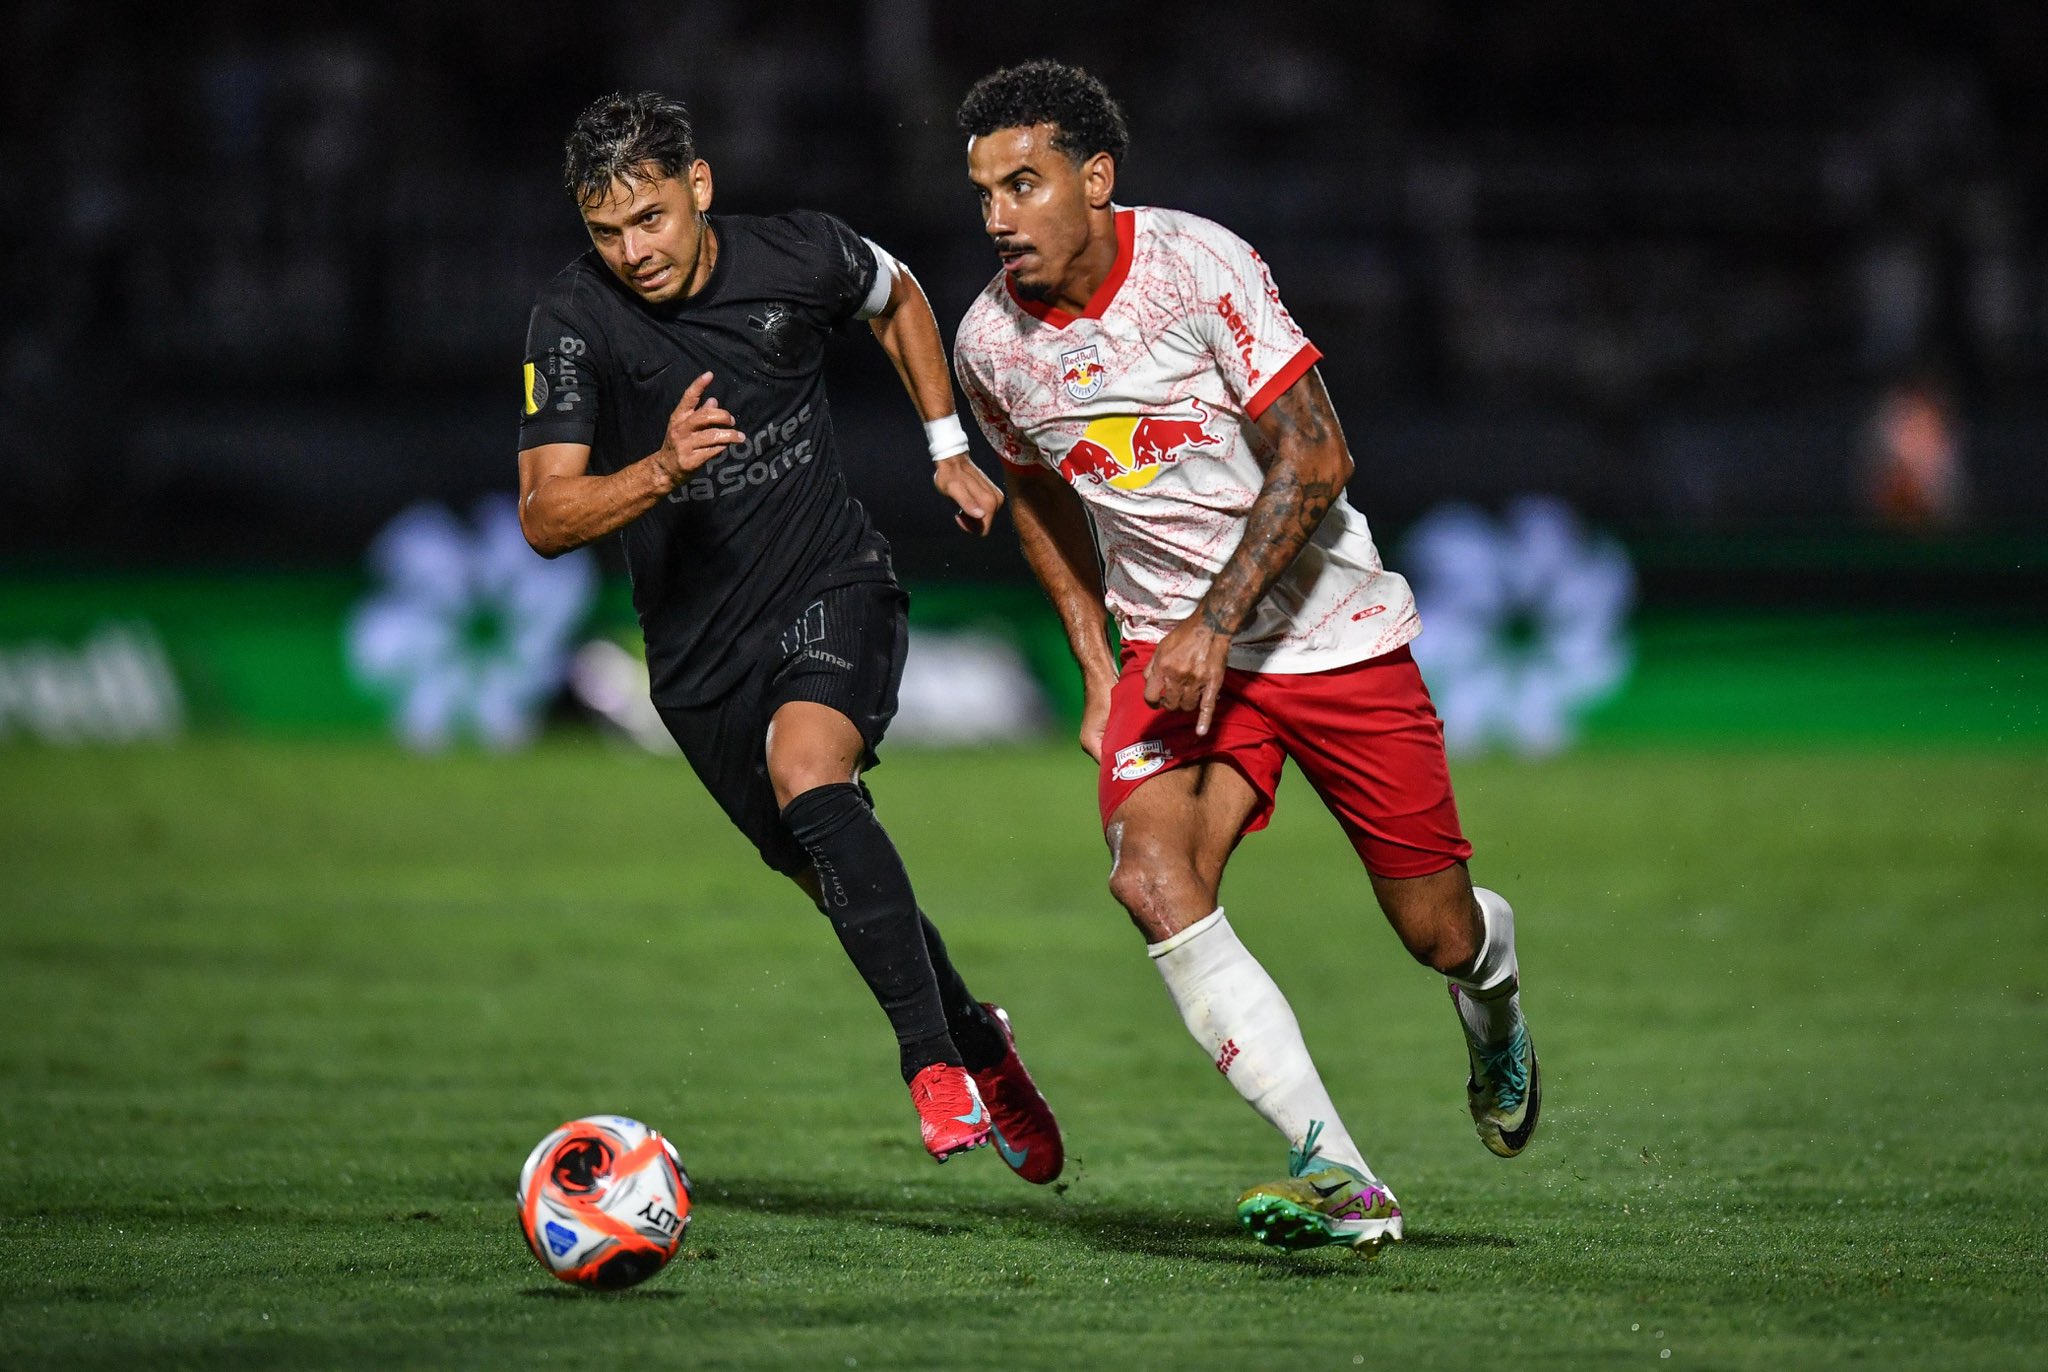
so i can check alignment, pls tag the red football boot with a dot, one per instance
(949, 1110)
(1027, 1135)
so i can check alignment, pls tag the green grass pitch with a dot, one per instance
(278, 1023)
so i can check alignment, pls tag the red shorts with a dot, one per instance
(1365, 736)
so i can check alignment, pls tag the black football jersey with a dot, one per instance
(766, 524)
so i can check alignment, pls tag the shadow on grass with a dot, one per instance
(1112, 1227)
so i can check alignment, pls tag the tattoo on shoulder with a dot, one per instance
(1304, 410)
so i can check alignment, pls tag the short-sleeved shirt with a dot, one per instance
(721, 562)
(1145, 403)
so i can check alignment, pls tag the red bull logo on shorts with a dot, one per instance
(1129, 453)
(1140, 760)
(1081, 372)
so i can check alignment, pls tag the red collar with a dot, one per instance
(1126, 233)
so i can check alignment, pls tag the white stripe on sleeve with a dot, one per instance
(885, 281)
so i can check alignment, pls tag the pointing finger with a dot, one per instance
(695, 392)
(1210, 689)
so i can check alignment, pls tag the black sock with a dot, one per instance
(975, 1031)
(867, 897)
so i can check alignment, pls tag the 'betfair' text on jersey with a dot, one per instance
(771, 459)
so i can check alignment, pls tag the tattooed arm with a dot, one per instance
(1306, 463)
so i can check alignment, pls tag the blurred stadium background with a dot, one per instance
(1762, 294)
(1696, 363)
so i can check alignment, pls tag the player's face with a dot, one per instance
(1042, 211)
(652, 234)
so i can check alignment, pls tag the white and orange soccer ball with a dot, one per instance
(604, 1201)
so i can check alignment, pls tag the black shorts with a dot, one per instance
(845, 650)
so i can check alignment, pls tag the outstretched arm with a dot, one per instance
(908, 332)
(1306, 463)
(1060, 546)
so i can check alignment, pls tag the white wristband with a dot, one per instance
(944, 437)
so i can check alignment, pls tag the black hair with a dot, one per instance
(640, 137)
(1079, 107)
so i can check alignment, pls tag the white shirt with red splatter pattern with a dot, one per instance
(1145, 402)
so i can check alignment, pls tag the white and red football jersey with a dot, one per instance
(1145, 403)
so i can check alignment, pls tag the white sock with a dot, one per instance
(1491, 1003)
(1245, 1025)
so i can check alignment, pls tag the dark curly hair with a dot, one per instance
(1077, 105)
(640, 137)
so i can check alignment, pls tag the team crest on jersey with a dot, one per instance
(779, 328)
(1081, 372)
(1140, 760)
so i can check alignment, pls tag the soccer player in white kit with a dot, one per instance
(1172, 454)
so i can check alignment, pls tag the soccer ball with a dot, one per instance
(604, 1201)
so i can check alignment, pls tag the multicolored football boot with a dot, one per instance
(949, 1110)
(1320, 1203)
(1505, 1088)
(1026, 1133)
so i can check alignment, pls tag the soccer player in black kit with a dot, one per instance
(674, 395)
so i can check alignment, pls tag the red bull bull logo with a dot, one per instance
(1081, 372)
(1090, 459)
(1129, 453)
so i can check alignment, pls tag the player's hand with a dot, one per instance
(1094, 720)
(978, 498)
(1186, 671)
(699, 429)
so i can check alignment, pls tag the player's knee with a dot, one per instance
(793, 777)
(1444, 939)
(788, 786)
(1150, 883)
(1448, 952)
(809, 746)
(820, 787)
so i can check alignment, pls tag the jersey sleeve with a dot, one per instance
(845, 268)
(1258, 347)
(1002, 435)
(561, 379)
